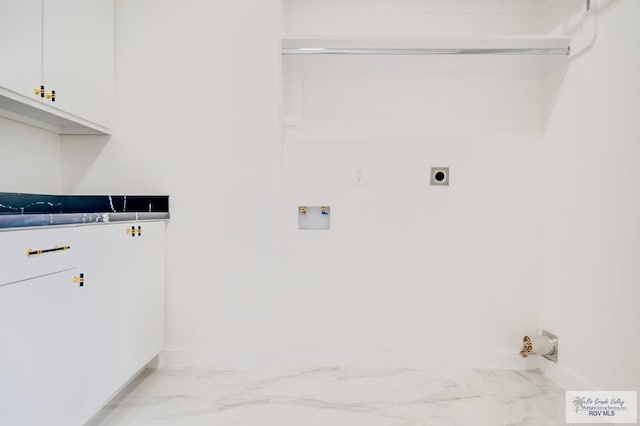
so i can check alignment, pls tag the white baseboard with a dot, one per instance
(566, 378)
(297, 358)
(102, 411)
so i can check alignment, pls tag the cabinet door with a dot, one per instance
(146, 288)
(78, 57)
(123, 305)
(141, 299)
(138, 281)
(21, 46)
(39, 380)
(102, 262)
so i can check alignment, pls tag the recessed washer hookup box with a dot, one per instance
(314, 218)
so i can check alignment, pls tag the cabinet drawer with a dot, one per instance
(28, 254)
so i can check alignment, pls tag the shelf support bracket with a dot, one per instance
(586, 39)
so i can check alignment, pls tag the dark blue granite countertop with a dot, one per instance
(27, 210)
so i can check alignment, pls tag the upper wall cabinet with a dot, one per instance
(21, 45)
(57, 58)
(78, 57)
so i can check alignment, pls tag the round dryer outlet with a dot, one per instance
(440, 176)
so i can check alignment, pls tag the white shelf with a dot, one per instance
(498, 45)
(28, 111)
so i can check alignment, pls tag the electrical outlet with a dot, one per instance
(358, 177)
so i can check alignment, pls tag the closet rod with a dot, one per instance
(558, 51)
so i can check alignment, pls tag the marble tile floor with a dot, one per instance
(336, 397)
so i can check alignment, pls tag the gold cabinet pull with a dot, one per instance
(133, 231)
(79, 280)
(39, 91)
(38, 252)
(51, 96)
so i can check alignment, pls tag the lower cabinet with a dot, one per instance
(123, 311)
(39, 332)
(71, 339)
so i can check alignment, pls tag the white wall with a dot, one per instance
(409, 273)
(409, 267)
(197, 118)
(405, 268)
(589, 230)
(29, 159)
(413, 17)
